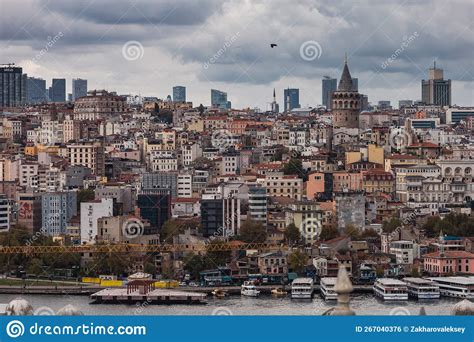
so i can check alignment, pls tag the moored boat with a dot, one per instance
(390, 289)
(420, 288)
(279, 292)
(249, 289)
(458, 287)
(302, 288)
(219, 293)
(327, 288)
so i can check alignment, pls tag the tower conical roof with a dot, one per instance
(345, 84)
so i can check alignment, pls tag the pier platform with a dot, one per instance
(156, 296)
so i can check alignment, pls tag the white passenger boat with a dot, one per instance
(390, 289)
(459, 287)
(249, 289)
(302, 288)
(327, 288)
(420, 288)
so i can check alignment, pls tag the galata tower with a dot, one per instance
(346, 102)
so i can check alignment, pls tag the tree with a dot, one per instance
(215, 258)
(84, 195)
(369, 233)
(297, 261)
(194, 263)
(174, 227)
(166, 116)
(110, 263)
(352, 232)
(389, 226)
(328, 233)
(149, 268)
(201, 109)
(252, 231)
(35, 267)
(414, 272)
(295, 167)
(292, 234)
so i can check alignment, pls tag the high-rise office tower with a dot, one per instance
(12, 86)
(79, 88)
(291, 98)
(329, 85)
(219, 99)
(36, 90)
(179, 94)
(355, 84)
(57, 91)
(436, 90)
(346, 102)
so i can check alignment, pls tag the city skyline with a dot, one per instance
(215, 48)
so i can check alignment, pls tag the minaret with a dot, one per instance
(274, 104)
(441, 243)
(346, 102)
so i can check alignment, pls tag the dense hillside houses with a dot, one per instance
(383, 191)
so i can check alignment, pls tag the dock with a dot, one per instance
(149, 295)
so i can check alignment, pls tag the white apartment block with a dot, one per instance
(90, 213)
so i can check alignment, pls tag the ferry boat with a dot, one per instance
(420, 288)
(249, 289)
(459, 287)
(327, 288)
(390, 289)
(302, 288)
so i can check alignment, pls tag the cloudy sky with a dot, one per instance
(148, 46)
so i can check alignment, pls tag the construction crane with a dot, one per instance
(135, 248)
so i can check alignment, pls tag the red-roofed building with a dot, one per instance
(449, 263)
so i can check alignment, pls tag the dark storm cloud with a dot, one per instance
(141, 12)
(228, 42)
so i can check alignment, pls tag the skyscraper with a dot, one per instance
(36, 90)
(179, 94)
(12, 86)
(436, 90)
(329, 86)
(355, 84)
(291, 98)
(346, 102)
(79, 88)
(57, 91)
(219, 99)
